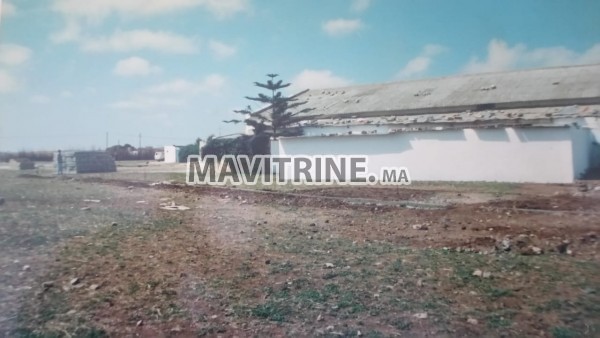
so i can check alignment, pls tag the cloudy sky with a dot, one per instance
(73, 70)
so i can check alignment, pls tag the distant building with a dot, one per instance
(539, 125)
(171, 154)
(80, 162)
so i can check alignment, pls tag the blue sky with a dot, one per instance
(172, 70)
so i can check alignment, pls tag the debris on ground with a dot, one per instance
(421, 315)
(91, 201)
(420, 227)
(562, 247)
(505, 244)
(47, 285)
(532, 251)
(172, 206)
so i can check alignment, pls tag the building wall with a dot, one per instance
(171, 154)
(540, 155)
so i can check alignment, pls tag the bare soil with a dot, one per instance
(340, 261)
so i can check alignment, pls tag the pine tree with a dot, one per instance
(278, 120)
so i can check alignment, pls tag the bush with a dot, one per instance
(185, 151)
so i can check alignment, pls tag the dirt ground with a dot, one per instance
(96, 255)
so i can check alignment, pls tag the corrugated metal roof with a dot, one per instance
(485, 118)
(548, 87)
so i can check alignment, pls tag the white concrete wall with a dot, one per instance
(171, 154)
(540, 155)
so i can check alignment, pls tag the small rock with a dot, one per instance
(472, 321)
(420, 283)
(532, 251)
(358, 333)
(329, 266)
(94, 287)
(85, 209)
(26, 268)
(74, 281)
(419, 227)
(139, 323)
(312, 224)
(268, 261)
(477, 273)
(421, 315)
(47, 285)
(486, 274)
(114, 224)
(505, 244)
(590, 237)
(319, 318)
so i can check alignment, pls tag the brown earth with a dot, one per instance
(342, 261)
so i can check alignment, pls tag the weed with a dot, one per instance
(402, 324)
(564, 332)
(272, 311)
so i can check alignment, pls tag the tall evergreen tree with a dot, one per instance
(277, 120)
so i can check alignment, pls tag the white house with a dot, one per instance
(171, 154)
(537, 125)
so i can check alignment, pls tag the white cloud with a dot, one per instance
(7, 82)
(147, 102)
(360, 5)
(70, 33)
(7, 9)
(14, 55)
(66, 94)
(502, 57)
(97, 10)
(340, 27)
(420, 64)
(173, 94)
(211, 84)
(316, 79)
(126, 41)
(221, 50)
(135, 66)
